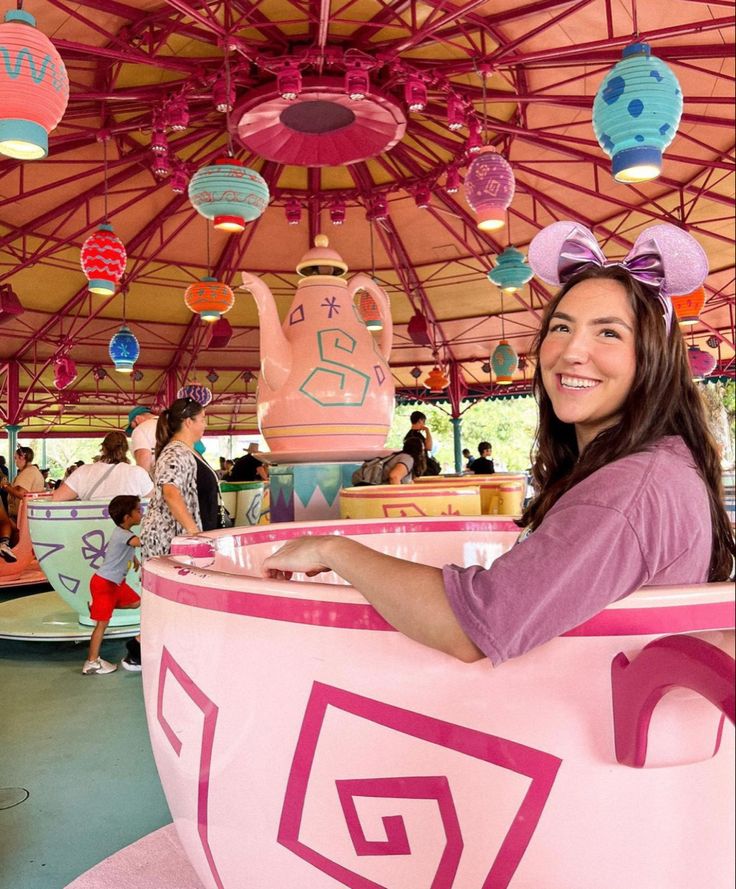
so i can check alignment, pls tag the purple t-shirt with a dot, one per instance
(642, 520)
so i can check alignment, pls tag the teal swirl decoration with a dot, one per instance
(13, 70)
(327, 387)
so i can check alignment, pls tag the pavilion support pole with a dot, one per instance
(457, 440)
(12, 427)
(171, 387)
(457, 391)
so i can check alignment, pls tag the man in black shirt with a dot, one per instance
(483, 465)
(248, 468)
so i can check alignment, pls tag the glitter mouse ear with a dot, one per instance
(546, 246)
(684, 262)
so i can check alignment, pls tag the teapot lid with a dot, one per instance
(320, 260)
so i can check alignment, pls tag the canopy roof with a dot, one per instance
(526, 73)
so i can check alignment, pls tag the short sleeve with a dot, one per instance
(173, 466)
(577, 562)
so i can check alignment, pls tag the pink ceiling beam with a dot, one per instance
(503, 51)
(597, 161)
(82, 293)
(208, 21)
(618, 202)
(71, 49)
(586, 49)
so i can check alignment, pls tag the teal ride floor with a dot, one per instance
(79, 745)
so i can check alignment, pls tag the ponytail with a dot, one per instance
(163, 432)
(171, 420)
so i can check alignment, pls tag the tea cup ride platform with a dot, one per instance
(501, 493)
(301, 741)
(69, 539)
(403, 501)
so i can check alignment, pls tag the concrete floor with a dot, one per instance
(79, 746)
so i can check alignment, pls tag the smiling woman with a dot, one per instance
(587, 358)
(623, 454)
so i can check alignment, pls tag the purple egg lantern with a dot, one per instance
(489, 188)
(702, 364)
(201, 394)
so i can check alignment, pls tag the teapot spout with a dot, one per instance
(275, 349)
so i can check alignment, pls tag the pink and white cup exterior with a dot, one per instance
(303, 742)
(70, 539)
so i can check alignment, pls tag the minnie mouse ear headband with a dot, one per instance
(664, 258)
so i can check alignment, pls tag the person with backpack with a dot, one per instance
(400, 468)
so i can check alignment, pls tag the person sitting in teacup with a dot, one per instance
(626, 471)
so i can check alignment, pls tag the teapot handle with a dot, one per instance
(362, 281)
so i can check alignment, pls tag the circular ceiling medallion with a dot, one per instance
(323, 127)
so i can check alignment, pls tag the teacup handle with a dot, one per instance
(362, 281)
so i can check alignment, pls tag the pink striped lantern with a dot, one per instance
(201, 394)
(103, 260)
(369, 312)
(489, 188)
(34, 87)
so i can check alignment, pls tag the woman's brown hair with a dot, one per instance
(414, 447)
(663, 400)
(171, 420)
(114, 448)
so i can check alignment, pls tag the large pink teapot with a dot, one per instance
(325, 384)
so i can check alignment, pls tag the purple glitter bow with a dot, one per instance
(643, 262)
(664, 258)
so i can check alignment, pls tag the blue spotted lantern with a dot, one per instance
(511, 271)
(124, 350)
(505, 362)
(636, 113)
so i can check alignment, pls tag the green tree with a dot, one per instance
(509, 424)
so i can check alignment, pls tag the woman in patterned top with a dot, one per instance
(174, 507)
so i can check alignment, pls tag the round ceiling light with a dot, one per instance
(322, 127)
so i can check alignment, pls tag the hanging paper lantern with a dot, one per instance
(702, 364)
(505, 362)
(65, 372)
(201, 394)
(209, 298)
(229, 193)
(418, 330)
(689, 306)
(489, 188)
(511, 271)
(436, 380)
(221, 333)
(34, 87)
(103, 260)
(369, 312)
(124, 350)
(636, 112)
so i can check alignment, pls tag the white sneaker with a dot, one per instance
(7, 553)
(99, 666)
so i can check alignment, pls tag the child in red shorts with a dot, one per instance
(108, 587)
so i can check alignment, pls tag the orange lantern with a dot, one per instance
(436, 380)
(209, 298)
(369, 312)
(689, 306)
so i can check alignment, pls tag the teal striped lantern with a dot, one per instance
(511, 271)
(636, 113)
(504, 361)
(124, 350)
(229, 193)
(34, 87)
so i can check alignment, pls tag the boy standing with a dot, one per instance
(108, 587)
